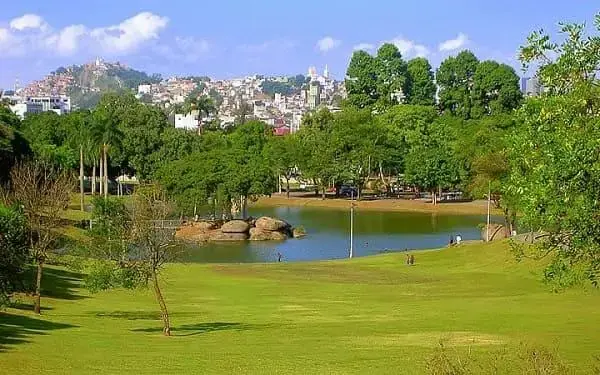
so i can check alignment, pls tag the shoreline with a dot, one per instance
(478, 207)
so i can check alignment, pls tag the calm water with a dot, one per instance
(329, 235)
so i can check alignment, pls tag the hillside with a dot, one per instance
(86, 83)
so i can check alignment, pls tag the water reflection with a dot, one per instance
(328, 235)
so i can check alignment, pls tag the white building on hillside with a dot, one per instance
(187, 121)
(60, 104)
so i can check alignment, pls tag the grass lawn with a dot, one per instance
(364, 316)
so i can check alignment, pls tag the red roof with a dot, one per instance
(282, 130)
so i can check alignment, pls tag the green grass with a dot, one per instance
(368, 315)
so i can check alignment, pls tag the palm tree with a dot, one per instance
(106, 133)
(79, 123)
(203, 104)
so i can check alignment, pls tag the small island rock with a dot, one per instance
(271, 224)
(235, 226)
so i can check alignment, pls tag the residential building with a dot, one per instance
(531, 86)
(187, 121)
(60, 104)
(314, 95)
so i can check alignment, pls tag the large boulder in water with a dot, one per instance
(257, 234)
(495, 232)
(235, 226)
(217, 235)
(271, 224)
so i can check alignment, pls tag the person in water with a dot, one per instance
(451, 241)
(279, 257)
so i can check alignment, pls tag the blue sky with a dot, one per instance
(235, 38)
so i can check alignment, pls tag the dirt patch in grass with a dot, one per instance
(430, 339)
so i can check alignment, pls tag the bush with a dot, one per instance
(14, 252)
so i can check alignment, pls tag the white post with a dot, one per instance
(279, 183)
(352, 225)
(487, 230)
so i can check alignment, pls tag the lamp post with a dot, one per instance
(487, 229)
(352, 224)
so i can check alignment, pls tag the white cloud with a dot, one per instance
(4, 35)
(421, 51)
(328, 43)
(67, 41)
(129, 34)
(31, 35)
(186, 49)
(453, 44)
(28, 21)
(363, 47)
(408, 47)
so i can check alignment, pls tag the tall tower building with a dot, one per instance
(326, 72)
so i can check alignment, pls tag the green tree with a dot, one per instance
(431, 164)
(203, 104)
(455, 79)
(134, 246)
(14, 252)
(404, 126)
(43, 194)
(391, 74)
(106, 130)
(495, 89)
(361, 80)
(13, 145)
(421, 86)
(282, 154)
(48, 136)
(554, 153)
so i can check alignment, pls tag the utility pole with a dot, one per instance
(487, 229)
(352, 224)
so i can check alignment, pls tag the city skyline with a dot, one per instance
(233, 39)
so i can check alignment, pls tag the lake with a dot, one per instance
(328, 235)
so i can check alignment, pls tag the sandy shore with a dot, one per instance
(461, 208)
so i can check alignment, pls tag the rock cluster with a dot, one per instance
(261, 229)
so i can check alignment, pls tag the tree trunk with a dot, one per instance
(279, 183)
(287, 186)
(433, 197)
(163, 306)
(38, 289)
(101, 167)
(323, 193)
(105, 173)
(81, 177)
(244, 204)
(94, 179)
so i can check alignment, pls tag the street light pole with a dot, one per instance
(487, 229)
(352, 224)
